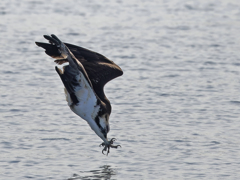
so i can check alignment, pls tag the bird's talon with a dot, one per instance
(112, 146)
(108, 146)
(103, 144)
(112, 140)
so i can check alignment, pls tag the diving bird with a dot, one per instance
(84, 78)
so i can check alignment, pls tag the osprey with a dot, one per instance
(84, 79)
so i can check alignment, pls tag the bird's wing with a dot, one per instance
(99, 69)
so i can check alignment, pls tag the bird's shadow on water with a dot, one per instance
(104, 173)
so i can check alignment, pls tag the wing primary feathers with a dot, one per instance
(99, 69)
(50, 49)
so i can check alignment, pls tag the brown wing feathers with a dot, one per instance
(99, 69)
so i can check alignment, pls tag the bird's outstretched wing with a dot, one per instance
(100, 70)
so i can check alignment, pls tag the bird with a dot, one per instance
(84, 78)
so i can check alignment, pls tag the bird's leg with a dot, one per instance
(109, 145)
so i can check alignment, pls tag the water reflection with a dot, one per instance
(104, 173)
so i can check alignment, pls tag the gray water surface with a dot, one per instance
(175, 110)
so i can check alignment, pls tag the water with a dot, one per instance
(175, 110)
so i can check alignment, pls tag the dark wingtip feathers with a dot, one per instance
(37, 43)
(47, 37)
